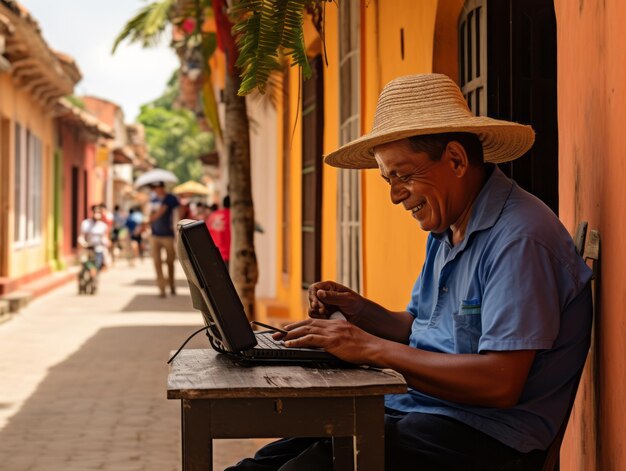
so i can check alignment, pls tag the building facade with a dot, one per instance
(555, 64)
(32, 79)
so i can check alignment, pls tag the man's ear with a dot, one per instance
(456, 157)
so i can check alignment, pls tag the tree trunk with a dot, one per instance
(243, 264)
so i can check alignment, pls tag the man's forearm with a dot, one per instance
(394, 326)
(493, 379)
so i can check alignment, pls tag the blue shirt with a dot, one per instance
(164, 226)
(515, 282)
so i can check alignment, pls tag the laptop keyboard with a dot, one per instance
(265, 341)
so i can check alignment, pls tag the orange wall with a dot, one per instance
(592, 171)
(394, 246)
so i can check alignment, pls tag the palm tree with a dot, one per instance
(145, 28)
(265, 29)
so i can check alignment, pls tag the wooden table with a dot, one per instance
(223, 399)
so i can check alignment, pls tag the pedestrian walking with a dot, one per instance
(218, 223)
(163, 216)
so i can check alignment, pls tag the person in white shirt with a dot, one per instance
(94, 234)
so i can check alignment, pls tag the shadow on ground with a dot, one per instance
(146, 282)
(153, 303)
(105, 408)
(105, 403)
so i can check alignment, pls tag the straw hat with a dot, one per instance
(419, 105)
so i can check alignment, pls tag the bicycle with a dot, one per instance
(88, 274)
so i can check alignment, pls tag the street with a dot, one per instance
(83, 378)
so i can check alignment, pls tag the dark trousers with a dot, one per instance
(421, 442)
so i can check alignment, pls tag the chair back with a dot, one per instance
(589, 251)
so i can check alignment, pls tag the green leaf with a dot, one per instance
(264, 29)
(147, 25)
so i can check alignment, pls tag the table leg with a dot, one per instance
(343, 453)
(370, 433)
(196, 435)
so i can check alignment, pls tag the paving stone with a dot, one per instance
(83, 378)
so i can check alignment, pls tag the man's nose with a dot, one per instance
(398, 193)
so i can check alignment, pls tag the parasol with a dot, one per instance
(191, 187)
(154, 176)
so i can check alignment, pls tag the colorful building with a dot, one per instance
(56, 158)
(555, 64)
(32, 79)
(80, 135)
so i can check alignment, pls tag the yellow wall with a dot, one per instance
(18, 106)
(394, 246)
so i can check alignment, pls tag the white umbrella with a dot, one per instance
(155, 175)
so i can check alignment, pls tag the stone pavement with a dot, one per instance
(83, 379)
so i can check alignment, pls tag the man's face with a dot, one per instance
(427, 188)
(97, 213)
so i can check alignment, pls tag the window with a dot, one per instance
(312, 150)
(473, 55)
(349, 253)
(507, 64)
(28, 186)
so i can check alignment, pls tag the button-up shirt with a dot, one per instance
(515, 282)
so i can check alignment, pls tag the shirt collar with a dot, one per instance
(487, 206)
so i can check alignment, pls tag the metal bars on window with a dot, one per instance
(473, 55)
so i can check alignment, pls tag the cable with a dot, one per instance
(185, 342)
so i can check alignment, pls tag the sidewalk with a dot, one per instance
(83, 379)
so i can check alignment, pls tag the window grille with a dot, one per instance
(473, 55)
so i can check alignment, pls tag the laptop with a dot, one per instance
(214, 295)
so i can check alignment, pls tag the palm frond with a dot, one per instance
(147, 25)
(264, 29)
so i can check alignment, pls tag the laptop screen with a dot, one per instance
(212, 290)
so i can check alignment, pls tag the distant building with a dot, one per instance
(32, 79)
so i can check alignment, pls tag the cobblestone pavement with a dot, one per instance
(83, 379)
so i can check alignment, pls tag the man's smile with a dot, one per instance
(417, 208)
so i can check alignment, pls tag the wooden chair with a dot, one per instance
(589, 251)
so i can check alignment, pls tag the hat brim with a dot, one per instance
(502, 141)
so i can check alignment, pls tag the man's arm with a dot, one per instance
(492, 379)
(158, 213)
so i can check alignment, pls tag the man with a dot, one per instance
(162, 219)
(218, 223)
(94, 235)
(498, 324)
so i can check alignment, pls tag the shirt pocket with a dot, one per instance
(467, 326)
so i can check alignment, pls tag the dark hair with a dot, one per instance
(214, 207)
(226, 201)
(96, 206)
(435, 144)
(156, 185)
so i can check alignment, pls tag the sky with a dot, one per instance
(85, 30)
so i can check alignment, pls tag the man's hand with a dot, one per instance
(327, 297)
(338, 337)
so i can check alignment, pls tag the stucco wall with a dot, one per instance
(18, 106)
(592, 113)
(394, 245)
(263, 168)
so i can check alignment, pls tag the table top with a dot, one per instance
(205, 374)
